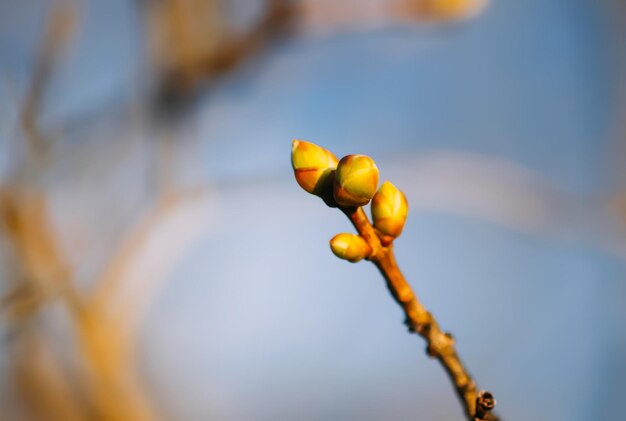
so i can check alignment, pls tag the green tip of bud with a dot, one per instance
(350, 247)
(313, 168)
(356, 180)
(389, 210)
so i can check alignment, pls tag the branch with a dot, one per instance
(349, 184)
(440, 344)
(55, 39)
(198, 62)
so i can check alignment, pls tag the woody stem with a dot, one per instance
(440, 345)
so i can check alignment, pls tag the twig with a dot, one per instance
(477, 405)
(349, 184)
(198, 64)
(55, 39)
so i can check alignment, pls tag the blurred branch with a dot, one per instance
(43, 381)
(56, 36)
(46, 274)
(436, 10)
(329, 16)
(43, 277)
(193, 44)
(148, 254)
(103, 387)
(191, 51)
(108, 364)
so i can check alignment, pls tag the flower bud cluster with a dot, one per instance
(351, 182)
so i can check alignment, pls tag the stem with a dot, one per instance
(440, 344)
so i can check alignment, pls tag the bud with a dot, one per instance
(389, 210)
(350, 247)
(356, 180)
(313, 167)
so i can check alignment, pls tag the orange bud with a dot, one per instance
(313, 167)
(389, 210)
(350, 247)
(356, 180)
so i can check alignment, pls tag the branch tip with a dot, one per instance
(485, 402)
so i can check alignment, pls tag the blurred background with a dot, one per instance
(159, 262)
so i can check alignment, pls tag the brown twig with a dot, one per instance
(55, 39)
(477, 404)
(194, 63)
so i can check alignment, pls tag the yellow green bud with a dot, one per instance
(313, 167)
(350, 247)
(389, 210)
(356, 180)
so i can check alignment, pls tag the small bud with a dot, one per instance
(350, 247)
(313, 167)
(356, 180)
(389, 210)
